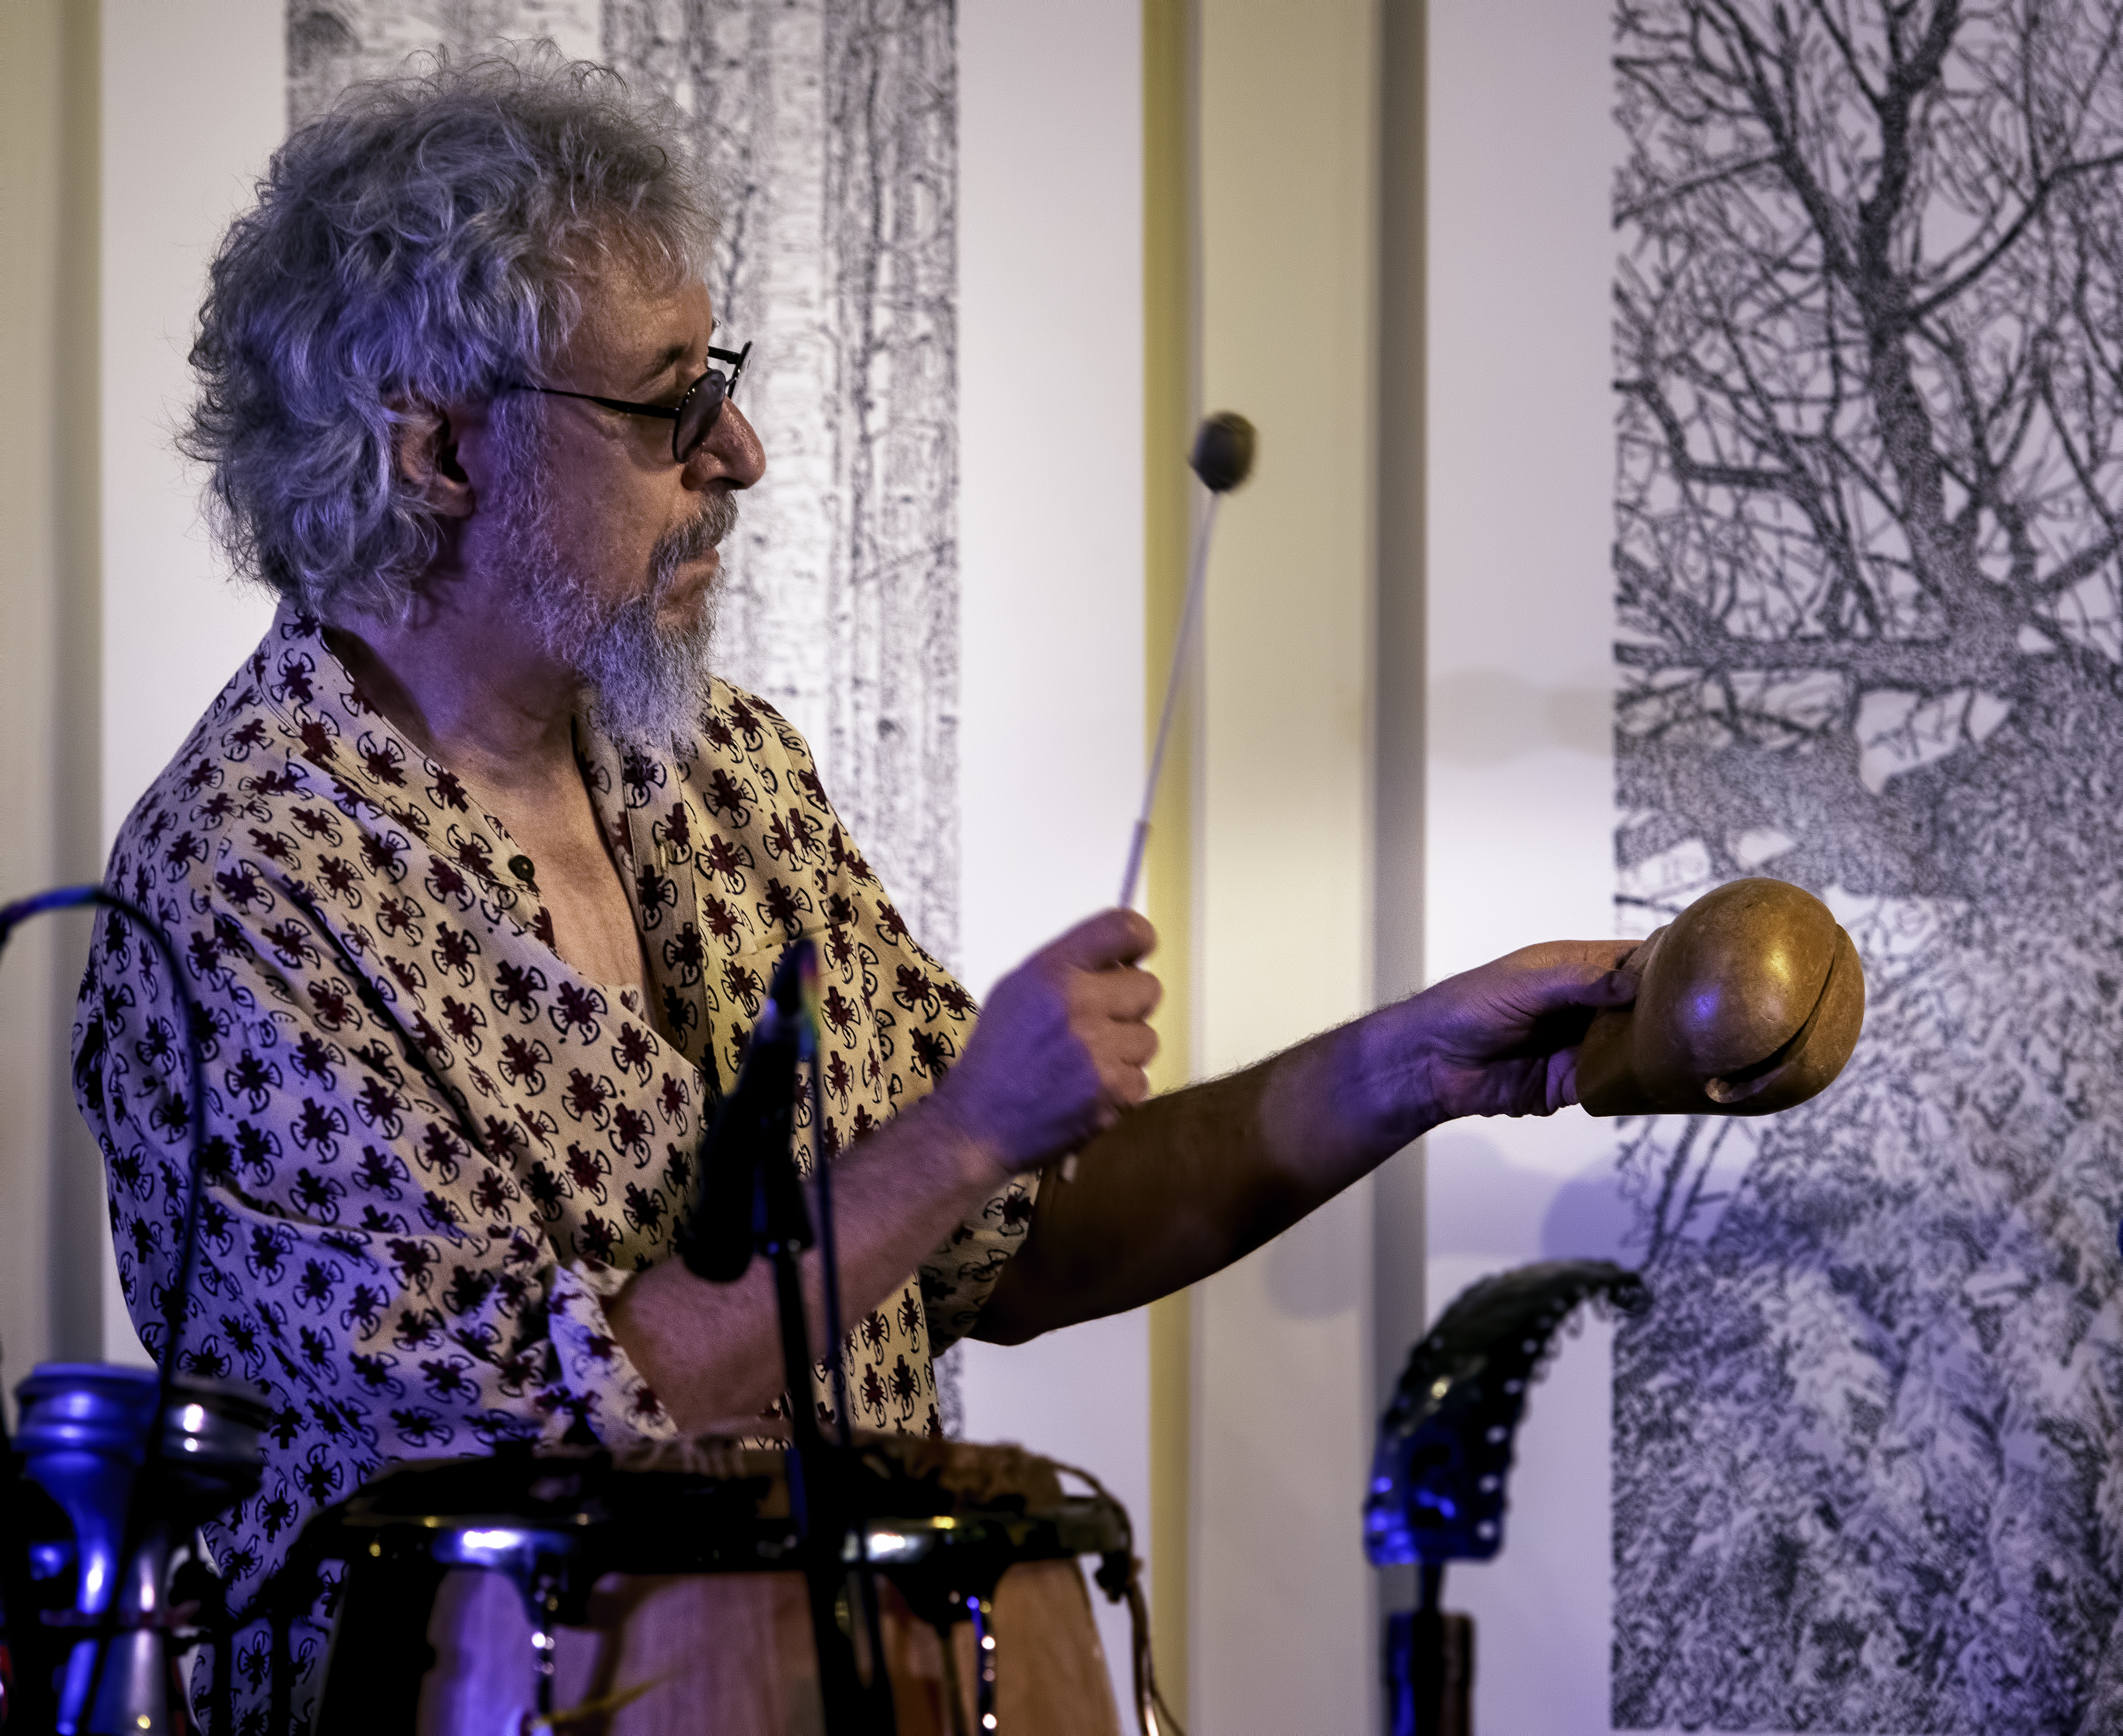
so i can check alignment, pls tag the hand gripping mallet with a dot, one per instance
(1223, 458)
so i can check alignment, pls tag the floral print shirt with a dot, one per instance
(433, 1149)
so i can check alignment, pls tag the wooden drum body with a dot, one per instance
(656, 1595)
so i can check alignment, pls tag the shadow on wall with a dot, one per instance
(1487, 717)
(1315, 1283)
(1481, 1203)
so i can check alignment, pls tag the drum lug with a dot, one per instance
(543, 1605)
(980, 1612)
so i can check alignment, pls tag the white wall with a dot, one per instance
(1520, 775)
(194, 102)
(1051, 566)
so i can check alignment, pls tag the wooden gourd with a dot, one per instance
(1748, 1002)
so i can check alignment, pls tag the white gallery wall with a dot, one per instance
(177, 164)
(1518, 814)
(1051, 579)
(1519, 823)
(1283, 1630)
(51, 1187)
(1051, 518)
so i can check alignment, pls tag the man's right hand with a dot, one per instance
(1062, 1044)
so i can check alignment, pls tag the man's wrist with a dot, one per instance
(966, 1152)
(1390, 1079)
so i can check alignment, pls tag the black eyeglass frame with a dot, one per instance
(720, 388)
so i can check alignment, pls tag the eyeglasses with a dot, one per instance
(692, 417)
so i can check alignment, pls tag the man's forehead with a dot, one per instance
(642, 324)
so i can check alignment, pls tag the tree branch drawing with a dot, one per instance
(1868, 568)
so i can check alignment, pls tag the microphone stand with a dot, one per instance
(749, 1201)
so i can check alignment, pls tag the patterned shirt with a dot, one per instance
(433, 1149)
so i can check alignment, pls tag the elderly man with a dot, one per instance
(478, 872)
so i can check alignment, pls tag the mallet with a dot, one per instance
(1223, 458)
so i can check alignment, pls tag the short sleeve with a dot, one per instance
(623, 1409)
(958, 1278)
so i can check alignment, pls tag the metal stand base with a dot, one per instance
(1429, 1673)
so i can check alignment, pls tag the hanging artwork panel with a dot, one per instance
(1869, 510)
(830, 128)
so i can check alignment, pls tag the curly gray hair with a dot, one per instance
(422, 243)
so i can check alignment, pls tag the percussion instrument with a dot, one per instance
(134, 1459)
(1444, 1452)
(133, 1478)
(658, 1593)
(1748, 1002)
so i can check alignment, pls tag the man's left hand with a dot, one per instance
(1500, 1039)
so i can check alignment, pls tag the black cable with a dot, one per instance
(178, 1294)
(28, 1698)
(864, 1579)
(75, 897)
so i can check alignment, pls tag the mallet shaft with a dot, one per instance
(1198, 567)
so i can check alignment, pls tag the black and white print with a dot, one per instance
(1869, 361)
(831, 126)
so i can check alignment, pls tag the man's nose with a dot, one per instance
(731, 453)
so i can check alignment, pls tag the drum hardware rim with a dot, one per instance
(1038, 1534)
(707, 1524)
(168, 1453)
(182, 1618)
(501, 1548)
(1083, 1527)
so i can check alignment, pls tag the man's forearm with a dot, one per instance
(1191, 1180)
(713, 1351)
(1187, 1184)
(1060, 1047)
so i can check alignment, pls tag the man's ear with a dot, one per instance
(428, 460)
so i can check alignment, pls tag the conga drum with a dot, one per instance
(653, 1595)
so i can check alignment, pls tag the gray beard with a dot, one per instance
(645, 682)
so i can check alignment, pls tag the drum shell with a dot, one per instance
(727, 1653)
(731, 1654)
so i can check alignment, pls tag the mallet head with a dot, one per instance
(1223, 452)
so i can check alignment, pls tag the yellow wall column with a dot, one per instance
(1283, 1628)
(50, 1177)
(1168, 495)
